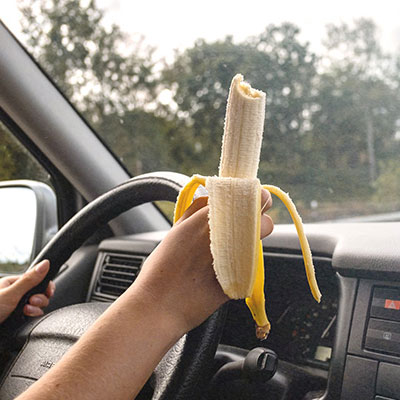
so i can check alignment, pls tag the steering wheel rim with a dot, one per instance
(187, 365)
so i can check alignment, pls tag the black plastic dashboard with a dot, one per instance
(354, 263)
(302, 330)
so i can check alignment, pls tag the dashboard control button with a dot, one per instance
(392, 304)
(383, 336)
(386, 303)
(388, 380)
(359, 378)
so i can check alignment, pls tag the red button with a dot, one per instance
(392, 304)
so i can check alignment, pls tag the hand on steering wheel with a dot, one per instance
(184, 371)
(13, 288)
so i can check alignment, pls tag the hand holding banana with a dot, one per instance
(235, 206)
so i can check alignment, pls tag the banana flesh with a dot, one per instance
(235, 206)
(243, 131)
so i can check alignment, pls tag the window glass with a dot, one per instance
(16, 162)
(153, 83)
(17, 205)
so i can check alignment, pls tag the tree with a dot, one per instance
(93, 65)
(16, 162)
(388, 184)
(274, 61)
(143, 140)
(355, 112)
(356, 47)
(107, 76)
(330, 129)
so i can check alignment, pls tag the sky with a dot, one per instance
(175, 24)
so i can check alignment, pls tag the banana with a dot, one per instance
(235, 206)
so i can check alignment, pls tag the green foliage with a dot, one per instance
(143, 141)
(332, 123)
(107, 79)
(356, 48)
(12, 268)
(388, 183)
(93, 64)
(274, 61)
(355, 113)
(16, 162)
(201, 77)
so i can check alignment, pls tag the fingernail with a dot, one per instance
(33, 311)
(36, 301)
(41, 267)
(266, 205)
(52, 287)
(28, 309)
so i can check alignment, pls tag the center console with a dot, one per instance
(372, 365)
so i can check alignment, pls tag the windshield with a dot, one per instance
(152, 79)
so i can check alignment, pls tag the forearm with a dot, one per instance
(175, 292)
(115, 357)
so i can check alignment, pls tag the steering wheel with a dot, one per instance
(185, 369)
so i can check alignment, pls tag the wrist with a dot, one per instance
(156, 310)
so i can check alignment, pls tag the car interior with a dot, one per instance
(98, 224)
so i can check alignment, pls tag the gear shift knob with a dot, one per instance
(260, 364)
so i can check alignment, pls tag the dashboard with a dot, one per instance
(345, 347)
(348, 343)
(302, 330)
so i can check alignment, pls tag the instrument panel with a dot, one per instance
(302, 330)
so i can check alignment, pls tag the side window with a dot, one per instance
(17, 205)
(16, 162)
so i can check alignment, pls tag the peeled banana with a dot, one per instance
(235, 206)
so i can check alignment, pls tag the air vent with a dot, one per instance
(117, 273)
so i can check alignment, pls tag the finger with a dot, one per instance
(267, 226)
(9, 280)
(266, 203)
(194, 207)
(266, 200)
(51, 288)
(32, 311)
(12, 279)
(39, 300)
(30, 279)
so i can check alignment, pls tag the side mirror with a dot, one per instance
(28, 220)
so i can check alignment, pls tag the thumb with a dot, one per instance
(30, 279)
